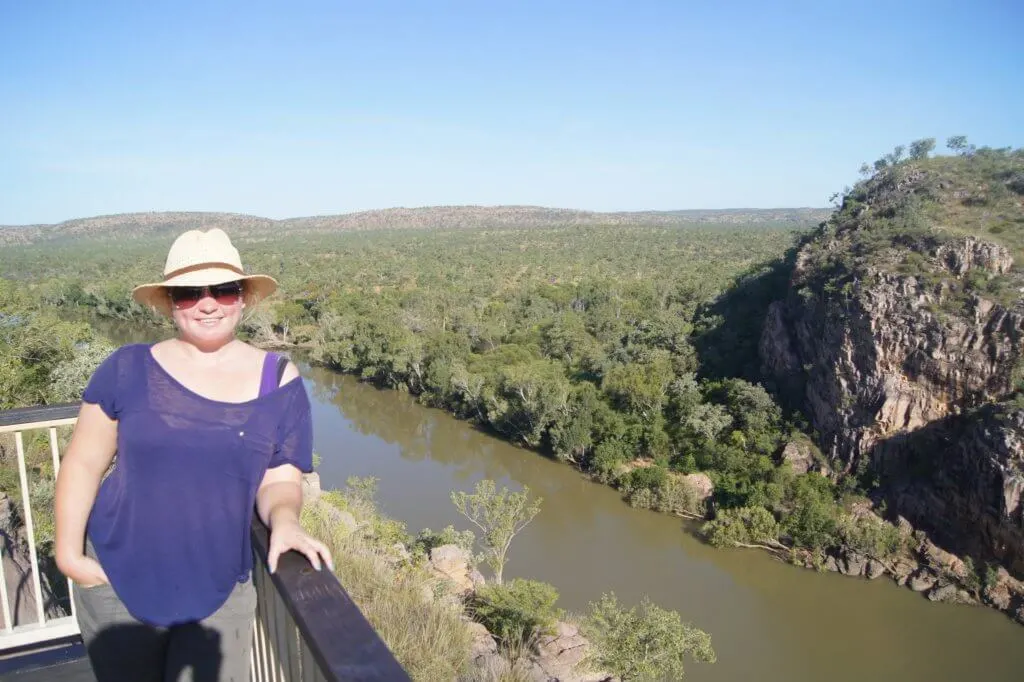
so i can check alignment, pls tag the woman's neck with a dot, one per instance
(206, 353)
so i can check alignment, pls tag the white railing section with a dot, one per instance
(25, 624)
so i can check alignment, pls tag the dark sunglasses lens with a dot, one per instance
(186, 297)
(226, 294)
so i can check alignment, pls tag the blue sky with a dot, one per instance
(300, 108)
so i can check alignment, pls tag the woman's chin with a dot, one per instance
(221, 331)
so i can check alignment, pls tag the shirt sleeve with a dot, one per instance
(102, 388)
(295, 444)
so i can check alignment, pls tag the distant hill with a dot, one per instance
(432, 217)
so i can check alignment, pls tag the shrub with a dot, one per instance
(427, 540)
(609, 456)
(870, 535)
(812, 518)
(742, 526)
(649, 643)
(517, 611)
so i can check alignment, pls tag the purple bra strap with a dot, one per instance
(268, 380)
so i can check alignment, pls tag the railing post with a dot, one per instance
(26, 502)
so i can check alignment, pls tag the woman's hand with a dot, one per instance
(84, 571)
(289, 535)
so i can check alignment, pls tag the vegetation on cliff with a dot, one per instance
(901, 337)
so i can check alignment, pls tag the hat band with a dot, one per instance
(202, 266)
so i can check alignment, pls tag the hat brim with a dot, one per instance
(257, 287)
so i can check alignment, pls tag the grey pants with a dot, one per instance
(123, 649)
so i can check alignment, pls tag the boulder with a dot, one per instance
(946, 593)
(952, 594)
(942, 561)
(452, 563)
(831, 564)
(341, 519)
(799, 456)
(483, 652)
(903, 569)
(558, 657)
(876, 569)
(483, 643)
(854, 564)
(922, 581)
(1004, 591)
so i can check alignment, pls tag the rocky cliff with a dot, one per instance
(901, 338)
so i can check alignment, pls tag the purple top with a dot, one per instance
(170, 524)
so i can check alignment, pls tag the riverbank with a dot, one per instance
(876, 549)
(913, 561)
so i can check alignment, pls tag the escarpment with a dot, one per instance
(901, 338)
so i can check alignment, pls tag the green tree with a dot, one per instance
(500, 515)
(957, 144)
(645, 643)
(920, 149)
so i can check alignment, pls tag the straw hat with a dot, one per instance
(202, 259)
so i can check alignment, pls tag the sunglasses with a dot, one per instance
(184, 298)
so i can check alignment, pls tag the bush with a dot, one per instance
(870, 536)
(427, 540)
(515, 612)
(812, 518)
(651, 477)
(743, 526)
(609, 456)
(649, 643)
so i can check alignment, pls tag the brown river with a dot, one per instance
(768, 621)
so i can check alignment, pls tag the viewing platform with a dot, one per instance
(307, 628)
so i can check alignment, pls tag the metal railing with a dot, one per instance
(307, 628)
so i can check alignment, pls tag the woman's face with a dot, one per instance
(207, 316)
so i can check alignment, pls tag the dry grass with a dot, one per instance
(428, 637)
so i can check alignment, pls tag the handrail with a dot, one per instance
(343, 643)
(320, 634)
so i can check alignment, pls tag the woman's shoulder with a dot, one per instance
(130, 351)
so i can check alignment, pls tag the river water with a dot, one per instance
(768, 621)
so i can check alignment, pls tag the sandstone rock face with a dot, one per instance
(452, 563)
(558, 657)
(922, 581)
(799, 457)
(341, 519)
(897, 374)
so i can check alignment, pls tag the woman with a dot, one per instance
(204, 429)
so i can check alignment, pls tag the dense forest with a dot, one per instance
(629, 352)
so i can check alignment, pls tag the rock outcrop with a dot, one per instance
(902, 339)
(452, 564)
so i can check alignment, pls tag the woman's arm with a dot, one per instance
(279, 504)
(89, 454)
